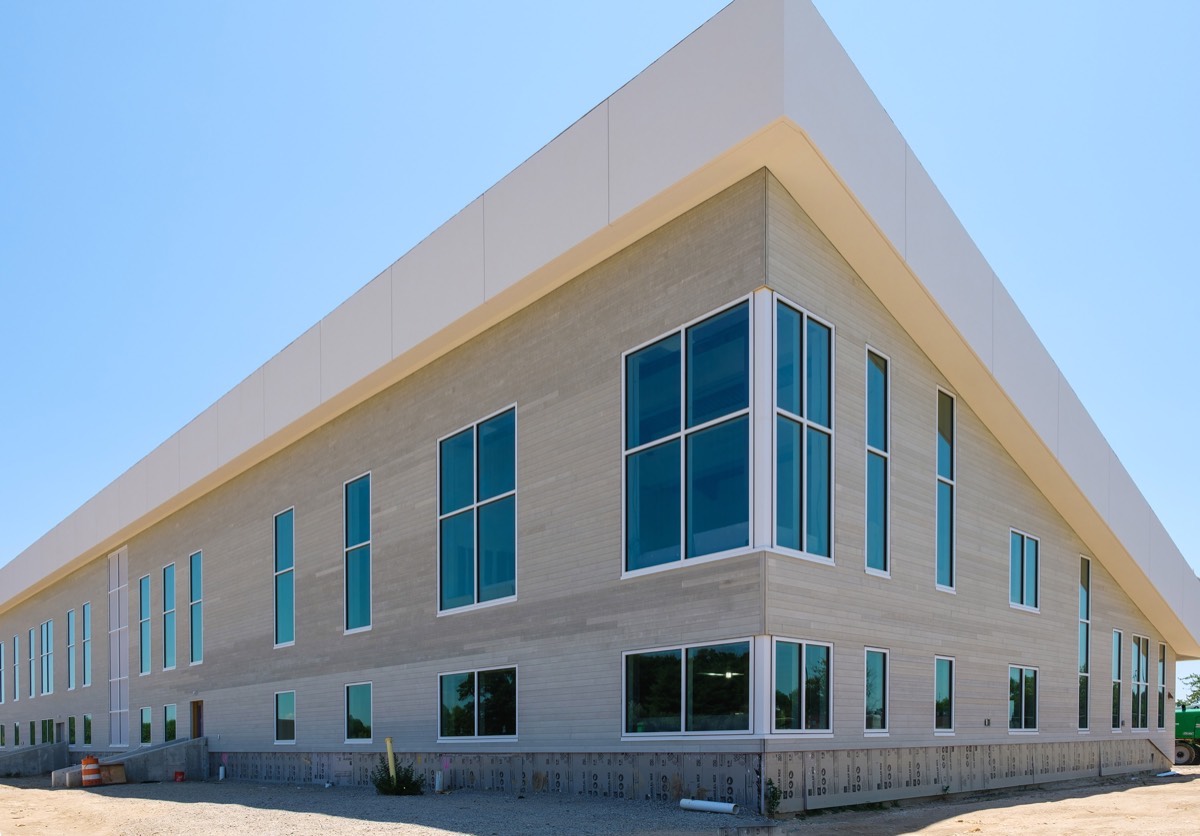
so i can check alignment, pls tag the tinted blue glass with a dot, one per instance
(145, 646)
(789, 354)
(945, 453)
(169, 640)
(1014, 567)
(718, 488)
(197, 627)
(818, 501)
(358, 712)
(456, 471)
(877, 512)
(458, 560)
(652, 506)
(877, 396)
(358, 511)
(497, 455)
(1085, 584)
(285, 716)
(876, 715)
(169, 587)
(718, 365)
(789, 485)
(358, 587)
(285, 621)
(196, 581)
(458, 705)
(1031, 572)
(945, 535)
(144, 597)
(818, 368)
(652, 392)
(283, 541)
(816, 687)
(498, 549)
(788, 699)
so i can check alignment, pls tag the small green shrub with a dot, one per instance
(406, 782)
(773, 795)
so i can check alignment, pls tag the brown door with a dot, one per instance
(197, 719)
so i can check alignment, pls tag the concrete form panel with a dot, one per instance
(356, 339)
(1023, 366)
(199, 448)
(292, 382)
(240, 422)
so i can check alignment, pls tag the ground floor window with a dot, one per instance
(70, 731)
(479, 703)
(169, 723)
(145, 720)
(358, 712)
(704, 689)
(285, 717)
(802, 680)
(87, 729)
(876, 690)
(943, 694)
(1022, 698)
(16, 734)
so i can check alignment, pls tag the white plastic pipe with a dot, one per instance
(707, 806)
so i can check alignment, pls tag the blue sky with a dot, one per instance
(186, 187)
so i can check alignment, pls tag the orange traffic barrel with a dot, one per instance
(91, 771)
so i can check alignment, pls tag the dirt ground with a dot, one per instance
(1118, 805)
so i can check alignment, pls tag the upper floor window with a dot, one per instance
(47, 657)
(1022, 570)
(86, 614)
(878, 462)
(196, 605)
(168, 617)
(946, 485)
(687, 442)
(477, 513)
(3, 674)
(1085, 638)
(358, 553)
(144, 625)
(285, 578)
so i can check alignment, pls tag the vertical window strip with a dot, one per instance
(196, 606)
(357, 557)
(875, 687)
(1118, 641)
(86, 612)
(16, 668)
(47, 656)
(144, 624)
(1140, 690)
(170, 724)
(1162, 684)
(285, 578)
(1085, 639)
(32, 660)
(943, 694)
(878, 539)
(285, 716)
(1022, 699)
(70, 651)
(3, 675)
(168, 617)
(946, 484)
(1022, 570)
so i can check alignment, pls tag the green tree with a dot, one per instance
(1191, 697)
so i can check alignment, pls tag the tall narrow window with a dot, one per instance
(71, 731)
(358, 713)
(70, 651)
(3, 675)
(945, 491)
(16, 668)
(86, 614)
(878, 462)
(87, 729)
(876, 689)
(1116, 680)
(168, 617)
(802, 686)
(479, 703)
(1085, 638)
(144, 625)
(196, 606)
(358, 553)
(943, 694)
(477, 513)
(285, 578)
(1022, 570)
(47, 658)
(803, 432)
(285, 717)
(687, 442)
(169, 722)
(1140, 692)
(1022, 699)
(1162, 684)
(32, 660)
(146, 719)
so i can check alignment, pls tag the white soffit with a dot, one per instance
(763, 84)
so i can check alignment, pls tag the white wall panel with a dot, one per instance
(356, 339)
(292, 381)
(198, 448)
(240, 417)
(1023, 367)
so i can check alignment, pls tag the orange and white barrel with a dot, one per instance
(91, 772)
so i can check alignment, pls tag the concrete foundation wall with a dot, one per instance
(33, 760)
(160, 763)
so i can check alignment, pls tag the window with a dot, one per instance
(47, 657)
(146, 730)
(357, 565)
(285, 578)
(477, 513)
(1162, 685)
(878, 462)
(70, 652)
(2, 743)
(943, 694)
(699, 689)
(3, 674)
(285, 717)
(47, 731)
(87, 729)
(876, 690)
(802, 686)
(1022, 570)
(16, 734)
(803, 432)
(358, 713)
(87, 644)
(945, 491)
(1140, 693)
(1085, 638)
(196, 605)
(16, 668)
(32, 660)
(1116, 680)
(71, 731)
(479, 703)
(169, 724)
(1022, 699)
(144, 625)
(687, 442)
(168, 617)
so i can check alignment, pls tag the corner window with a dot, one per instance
(1116, 679)
(699, 689)
(943, 694)
(1022, 570)
(802, 686)
(168, 617)
(1140, 693)
(1022, 699)
(1085, 638)
(358, 553)
(946, 485)
(477, 513)
(876, 690)
(878, 462)
(358, 712)
(479, 703)
(285, 717)
(285, 578)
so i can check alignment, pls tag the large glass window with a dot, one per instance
(47, 657)
(196, 606)
(802, 686)
(358, 553)
(1085, 638)
(285, 717)
(170, 724)
(477, 513)
(86, 616)
(70, 655)
(703, 689)
(1140, 693)
(878, 461)
(1118, 640)
(1022, 570)
(168, 617)
(943, 694)
(1022, 698)
(803, 432)
(945, 576)
(876, 690)
(479, 703)
(358, 712)
(144, 625)
(285, 578)
(687, 442)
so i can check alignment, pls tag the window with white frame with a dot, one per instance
(144, 625)
(168, 617)
(943, 694)
(946, 486)
(86, 617)
(876, 687)
(285, 717)
(1118, 640)
(701, 689)
(1022, 698)
(147, 726)
(479, 703)
(196, 606)
(71, 730)
(878, 462)
(47, 657)
(357, 567)
(16, 668)
(3, 675)
(1162, 686)
(87, 729)
(687, 442)
(477, 513)
(358, 712)
(70, 650)
(803, 692)
(1085, 638)
(169, 722)
(32, 658)
(1140, 692)
(285, 578)
(1022, 570)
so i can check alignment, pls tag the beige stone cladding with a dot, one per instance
(904, 613)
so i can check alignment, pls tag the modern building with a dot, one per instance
(704, 447)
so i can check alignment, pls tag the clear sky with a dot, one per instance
(187, 187)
